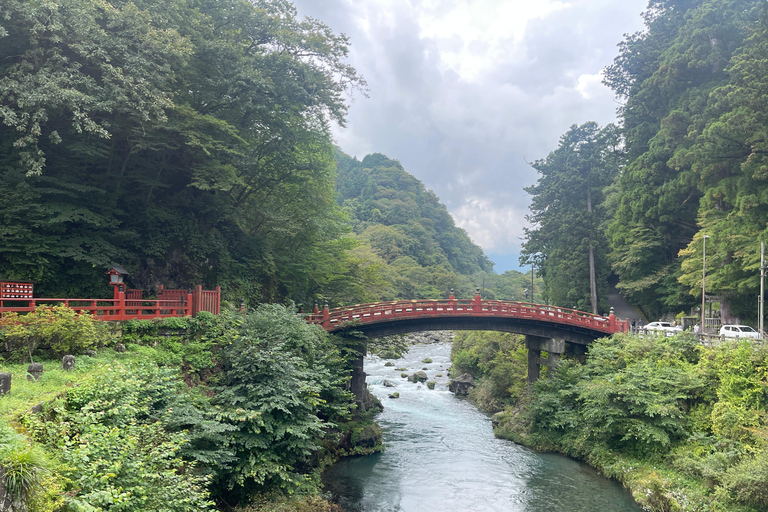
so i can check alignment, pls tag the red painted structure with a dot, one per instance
(385, 312)
(125, 305)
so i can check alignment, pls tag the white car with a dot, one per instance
(664, 327)
(738, 331)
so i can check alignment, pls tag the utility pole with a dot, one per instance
(760, 303)
(703, 281)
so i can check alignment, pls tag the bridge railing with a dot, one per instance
(386, 311)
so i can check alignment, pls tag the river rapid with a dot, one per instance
(441, 456)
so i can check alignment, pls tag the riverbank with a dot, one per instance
(183, 415)
(682, 426)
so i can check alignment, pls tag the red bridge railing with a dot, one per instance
(334, 319)
(128, 305)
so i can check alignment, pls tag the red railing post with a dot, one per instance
(187, 299)
(121, 305)
(196, 298)
(326, 316)
(477, 304)
(217, 305)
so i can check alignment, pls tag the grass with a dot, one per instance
(54, 381)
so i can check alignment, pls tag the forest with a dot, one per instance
(686, 160)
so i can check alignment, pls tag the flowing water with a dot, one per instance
(441, 456)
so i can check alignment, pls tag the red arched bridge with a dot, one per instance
(397, 317)
(549, 329)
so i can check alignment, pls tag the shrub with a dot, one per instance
(116, 451)
(58, 328)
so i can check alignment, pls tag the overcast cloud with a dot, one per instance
(464, 92)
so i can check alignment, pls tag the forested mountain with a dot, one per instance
(407, 231)
(693, 124)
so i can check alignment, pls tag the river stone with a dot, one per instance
(34, 371)
(426, 360)
(68, 363)
(419, 377)
(461, 385)
(399, 369)
(404, 375)
(389, 363)
(5, 383)
(396, 394)
(388, 384)
(431, 384)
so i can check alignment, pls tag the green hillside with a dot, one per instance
(406, 230)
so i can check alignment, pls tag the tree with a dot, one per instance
(566, 240)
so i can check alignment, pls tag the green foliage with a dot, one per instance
(695, 140)
(24, 468)
(282, 387)
(117, 144)
(58, 328)
(680, 424)
(116, 453)
(498, 361)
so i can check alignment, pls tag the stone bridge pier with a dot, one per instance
(555, 349)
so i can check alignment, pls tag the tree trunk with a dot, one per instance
(592, 278)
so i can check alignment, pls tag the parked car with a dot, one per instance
(664, 327)
(739, 331)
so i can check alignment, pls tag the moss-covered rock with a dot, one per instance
(418, 377)
(431, 384)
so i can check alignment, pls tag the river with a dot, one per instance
(441, 456)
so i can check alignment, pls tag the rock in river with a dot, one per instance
(419, 377)
(461, 385)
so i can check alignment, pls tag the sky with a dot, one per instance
(465, 93)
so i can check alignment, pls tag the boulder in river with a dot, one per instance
(461, 385)
(431, 384)
(388, 384)
(418, 377)
(404, 375)
(396, 394)
(389, 363)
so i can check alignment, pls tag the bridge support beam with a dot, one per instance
(555, 348)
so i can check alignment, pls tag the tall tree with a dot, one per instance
(567, 241)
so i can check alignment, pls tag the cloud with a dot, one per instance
(466, 92)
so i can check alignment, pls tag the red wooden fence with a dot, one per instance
(126, 305)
